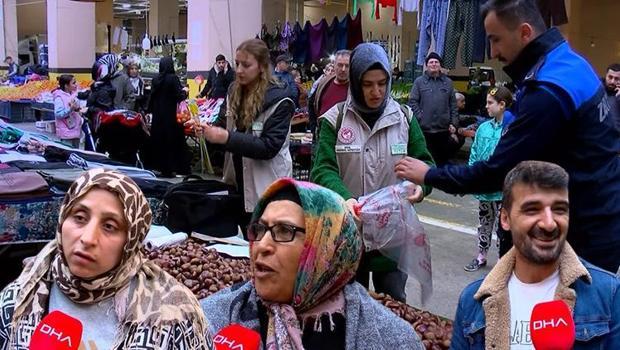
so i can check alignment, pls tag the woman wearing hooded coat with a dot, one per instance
(94, 271)
(360, 142)
(169, 149)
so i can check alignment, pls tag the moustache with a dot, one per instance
(541, 234)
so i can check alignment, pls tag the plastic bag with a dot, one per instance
(390, 224)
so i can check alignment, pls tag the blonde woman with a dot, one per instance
(258, 118)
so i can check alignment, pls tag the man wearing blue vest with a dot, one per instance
(563, 116)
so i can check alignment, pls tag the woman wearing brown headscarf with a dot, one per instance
(94, 271)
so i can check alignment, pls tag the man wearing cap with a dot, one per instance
(433, 102)
(281, 72)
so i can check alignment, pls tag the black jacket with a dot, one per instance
(275, 130)
(218, 83)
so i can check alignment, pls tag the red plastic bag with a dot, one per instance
(390, 224)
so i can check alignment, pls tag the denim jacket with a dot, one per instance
(483, 315)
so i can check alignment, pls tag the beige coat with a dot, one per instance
(382, 147)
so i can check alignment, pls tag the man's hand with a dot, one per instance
(618, 91)
(416, 194)
(411, 169)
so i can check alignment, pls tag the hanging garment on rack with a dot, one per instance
(553, 12)
(480, 37)
(354, 31)
(433, 27)
(386, 3)
(408, 6)
(318, 40)
(287, 37)
(299, 46)
(337, 34)
(355, 7)
(460, 25)
(267, 37)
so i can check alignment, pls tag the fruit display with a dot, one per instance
(204, 271)
(32, 89)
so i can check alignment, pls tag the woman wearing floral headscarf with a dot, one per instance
(94, 271)
(305, 249)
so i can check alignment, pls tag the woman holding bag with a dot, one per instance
(169, 150)
(66, 111)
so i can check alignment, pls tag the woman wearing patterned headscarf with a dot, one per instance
(305, 249)
(94, 271)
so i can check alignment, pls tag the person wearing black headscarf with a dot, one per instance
(169, 149)
(360, 142)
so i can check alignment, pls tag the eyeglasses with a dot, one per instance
(279, 232)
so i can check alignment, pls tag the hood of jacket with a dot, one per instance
(363, 58)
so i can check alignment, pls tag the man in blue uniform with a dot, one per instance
(563, 117)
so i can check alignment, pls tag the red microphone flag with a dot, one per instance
(552, 326)
(57, 331)
(236, 337)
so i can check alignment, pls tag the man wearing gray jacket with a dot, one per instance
(434, 104)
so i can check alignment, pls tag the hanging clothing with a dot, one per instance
(553, 12)
(337, 35)
(318, 40)
(408, 6)
(386, 3)
(460, 25)
(480, 37)
(355, 7)
(299, 48)
(354, 30)
(433, 27)
(287, 36)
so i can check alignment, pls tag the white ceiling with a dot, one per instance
(138, 8)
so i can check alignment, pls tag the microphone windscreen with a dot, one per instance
(235, 337)
(552, 326)
(57, 331)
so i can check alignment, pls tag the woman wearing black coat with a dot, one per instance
(170, 154)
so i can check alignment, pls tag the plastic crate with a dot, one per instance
(17, 111)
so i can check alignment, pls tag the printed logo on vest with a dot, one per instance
(603, 109)
(346, 135)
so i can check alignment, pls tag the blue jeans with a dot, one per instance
(434, 24)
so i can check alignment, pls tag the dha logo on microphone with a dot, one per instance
(229, 343)
(552, 323)
(236, 337)
(49, 330)
(57, 331)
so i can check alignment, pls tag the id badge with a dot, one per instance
(257, 126)
(348, 148)
(399, 149)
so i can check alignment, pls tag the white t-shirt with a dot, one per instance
(523, 297)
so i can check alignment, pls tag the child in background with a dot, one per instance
(66, 111)
(486, 139)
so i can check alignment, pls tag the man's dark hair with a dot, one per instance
(543, 175)
(8, 58)
(220, 57)
(514, 12)
(614, 66)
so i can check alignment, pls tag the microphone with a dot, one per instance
(552, 326)
(236, 337)
(57, 331)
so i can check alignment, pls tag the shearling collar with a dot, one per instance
(571, 269)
